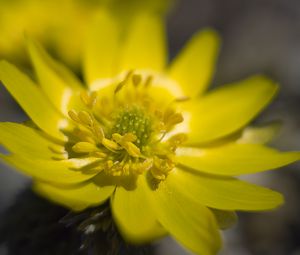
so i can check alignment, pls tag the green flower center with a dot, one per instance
(134, 120)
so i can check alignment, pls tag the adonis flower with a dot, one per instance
(144, 134)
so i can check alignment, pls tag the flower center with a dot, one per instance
(134, 120)
(125, 129)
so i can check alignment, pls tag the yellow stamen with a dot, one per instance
(84, 147)
(110, 145)
(136, 79)
(74, 115)
(85, 118)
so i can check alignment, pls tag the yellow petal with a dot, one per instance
(223, 193)
(102, 48)
(228, 109)
(260, 134)
(134, 214)
(78, 197)
(194, 67)
(235, 159)
(225, 219)
(56, 81)
(59, 171)
(145, 47)
(28, 142)
(191, 224)
(32, 100)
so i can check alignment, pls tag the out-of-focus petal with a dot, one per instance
(145, 46)
(32, 100)
(194, 66)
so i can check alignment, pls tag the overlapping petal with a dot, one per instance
(59, 171)
(225, 219)
(227, 109)
(32, 100)
(77, 198)
(234, 159)
(102, 48)
(194, 66)
(145, 45)
(28, 142)
(191, 223)
(58, 83)
(260, 134)
(223, 193)
(134, 214)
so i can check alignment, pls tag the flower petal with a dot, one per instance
(228, 109)
(32, 100)
(134, 214)
(28, 142)
(60, 171)
(235, 159)
(260, 134)
(102, 48)
(145, 47)
(77, 198)
(225, 219)
(190, 223)
(223, 193)
(57, 82)
(194, 66)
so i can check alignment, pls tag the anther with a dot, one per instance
(85, 118)
(123, 83)
(88, 99)
(84, 147)
(119, 87)
(73, 115)
(110, 145)
(182, 99)
(98, 132)
(136, 79)
(148, 81)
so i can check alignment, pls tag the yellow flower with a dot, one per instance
(63, 34)
(144, 134)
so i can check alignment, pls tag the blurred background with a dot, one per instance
(259, 36)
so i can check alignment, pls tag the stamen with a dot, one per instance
(98, 132)
(126, 143)
(84, 135)
(84, 147)
(85, 118)
(123, 83)
(148, 81)
(73, 115)
(126, 133)
(182, 99)
(88, 99)
(110, 145)
(136, 79)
